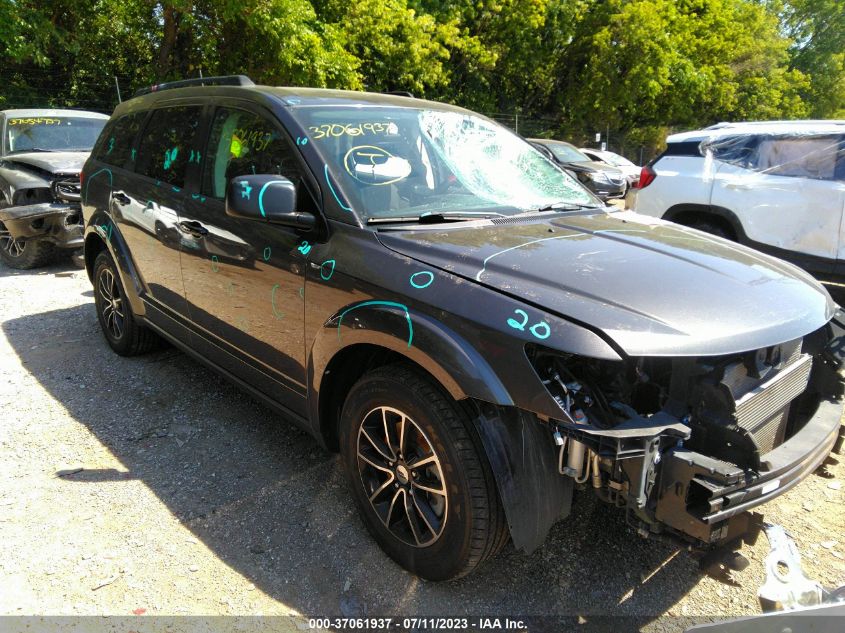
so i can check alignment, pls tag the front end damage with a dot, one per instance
(50, 212)
(688, 445)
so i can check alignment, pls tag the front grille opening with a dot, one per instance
(698, 499)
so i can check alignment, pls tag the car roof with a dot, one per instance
(33, 112)
(292, 97)
(760, 127)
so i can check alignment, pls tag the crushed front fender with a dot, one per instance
(54, 222)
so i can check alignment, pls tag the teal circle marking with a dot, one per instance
(323, 274)
(266, 254)
(424, 284)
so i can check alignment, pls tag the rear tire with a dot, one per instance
(122, 331)
(25, 255)
(427, 495)
(714, 228)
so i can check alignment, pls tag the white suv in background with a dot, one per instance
(777, 186)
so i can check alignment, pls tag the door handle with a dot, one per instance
(121, 198)
(738, 186)
(193, 227)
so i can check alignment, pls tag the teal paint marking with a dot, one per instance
(546, 329)
(424, 284)
(198, 158)
(276, 313)
(88, 180)
(516, 324)
(301, 140)
(149, 206)
(331, 188)
(304, 248)
(106, 228)
(261, 195)
(170, 157)
(541, 330)
(215, 264)
(326, 273)
(191, 159)
(390, 304)
(302, 293)
(513, 248)
(134, 151)
(176, 190)
(266, 254)
(246, 190)
(111, 145)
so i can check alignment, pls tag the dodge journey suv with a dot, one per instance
(429, 295)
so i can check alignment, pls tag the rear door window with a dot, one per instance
(168, 143)
(799, 157)
(243, 143)
(115, 146)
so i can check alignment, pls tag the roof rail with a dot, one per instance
(400, 93)
(227, 80)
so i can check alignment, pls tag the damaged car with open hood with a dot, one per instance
(41, 154)
(473, 331)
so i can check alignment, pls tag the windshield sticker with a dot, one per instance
(38, 121)
(337, 130)
(373, 165)
(422, 279)
(541, 330)
(390, 304)
(331, 188)
(327, 269)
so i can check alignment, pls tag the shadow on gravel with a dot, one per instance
(273, 505)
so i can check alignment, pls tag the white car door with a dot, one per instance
(787, 193)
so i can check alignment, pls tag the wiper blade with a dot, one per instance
(566, 206)
(435, 217)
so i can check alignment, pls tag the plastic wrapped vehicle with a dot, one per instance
(41, 155)
(776, 186)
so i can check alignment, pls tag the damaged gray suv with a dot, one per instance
(41, 155)
(475, 333)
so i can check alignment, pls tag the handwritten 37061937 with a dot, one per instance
(336, 130)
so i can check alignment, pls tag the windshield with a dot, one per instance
(54, 134)
(566, 153)
(398, 161)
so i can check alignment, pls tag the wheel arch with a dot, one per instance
(686, 214)
(339, 357)
(97, 240)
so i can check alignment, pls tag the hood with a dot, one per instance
(653, 287)
(53, 162)
(591, 165)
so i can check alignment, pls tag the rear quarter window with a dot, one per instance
(115, 145)
(167, 144)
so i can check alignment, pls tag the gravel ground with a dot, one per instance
(151, 486)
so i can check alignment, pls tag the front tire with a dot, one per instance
(419, 475)
(122, 331)
(24, 254)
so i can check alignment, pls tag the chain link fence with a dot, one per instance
(628, 144)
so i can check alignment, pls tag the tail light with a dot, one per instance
(647, 176)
